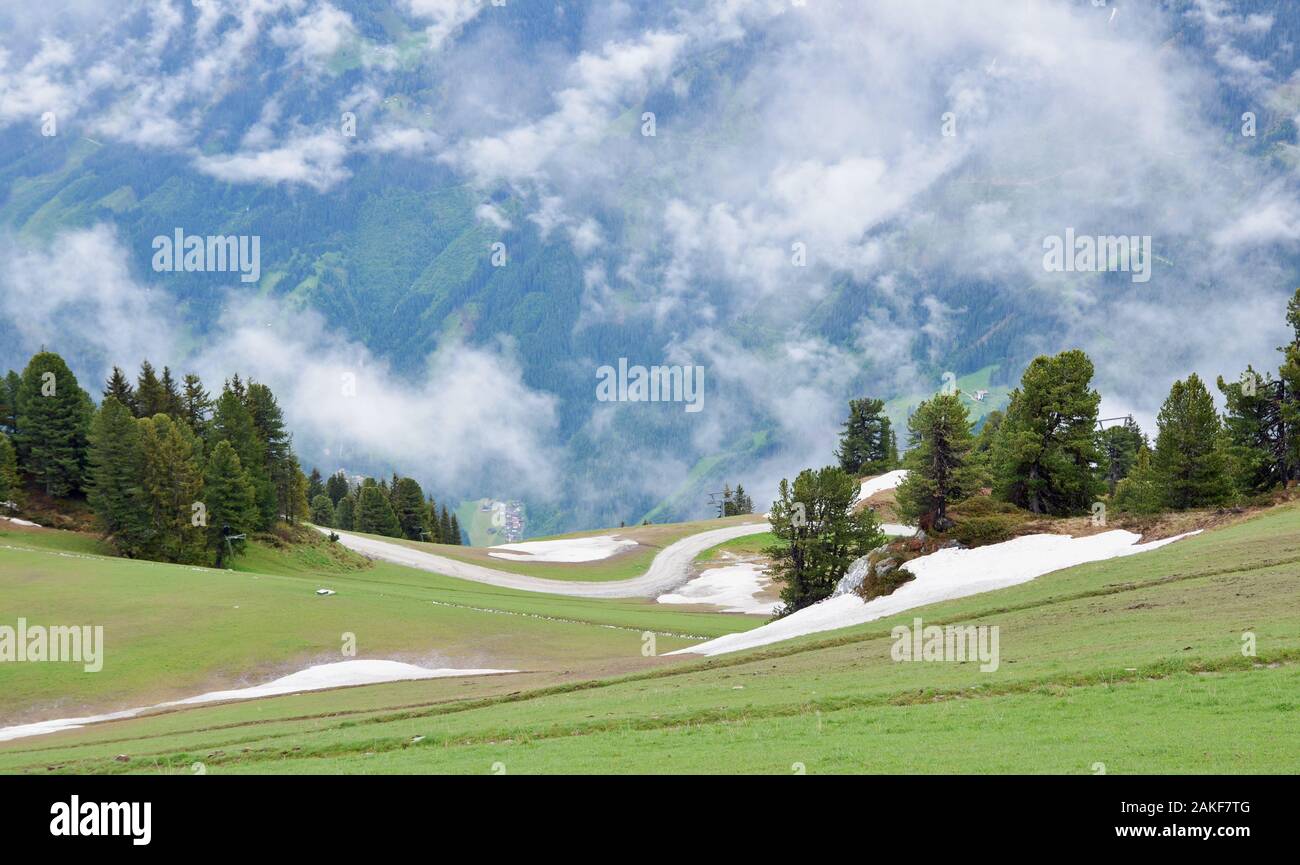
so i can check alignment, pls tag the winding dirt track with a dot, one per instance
(670, 568)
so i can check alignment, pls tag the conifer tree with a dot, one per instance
(374, 513)
(150, 396)
(172, 484)
(277, 464)
(231, 505)
(119, 388)
(1046, 454)
(1189, 457)
(173, 402)
(408, 502)
(10, 490)
(344, 513)
(818, 533)
(116, 469)
(1253, 431)
(322, 510)
(444, 527)
(232, 422)
(9, 388)
(938, 474)
(196, 405)
(1141, 492)
(455, 530)
(336, 487)
(53, 423)
(315, 486)
(1119, 446)
(867, 442)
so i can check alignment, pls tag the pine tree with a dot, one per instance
(1046, 452)
(172, 483)
(119, 388)
(1253, 432)
(455, 530)
(232, 422)
(1288, 398)
(116, 469)
(315, 486)
(938, 475)
(1119, 446)
(344, 513)
(867, 443)
(275, 440)
(818, 534)
(53, 423)
(173, 402)
(444, 527)
(1189, 458)
(337, 487)
(322, 510)
(231, 504)
(10, 490)
(1141, 492)
(408, 502)
(150, 397)
(431, 522)
(981, 454)
(196, 406)
(9, 388)
(374, 513)
(744, 505)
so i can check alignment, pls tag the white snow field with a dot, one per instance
(319, 677)
(887, 481)
(734, 587)
(941, 576)
(567, 550)
(669, 569)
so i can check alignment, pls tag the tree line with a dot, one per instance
(1048, 453)
(172, 473)
(399, 509)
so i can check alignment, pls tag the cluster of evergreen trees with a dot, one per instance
(735, 502)
(171, 474)
(1047, 453)
(398, 509)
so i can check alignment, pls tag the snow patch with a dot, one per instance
(941, 576)
(880, 483)
(319, 677)
(568, 550)
(18, 522)
(733, 587)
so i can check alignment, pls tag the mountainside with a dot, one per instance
(465, 210)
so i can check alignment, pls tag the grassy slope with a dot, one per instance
(174, 631)
(1133, 662)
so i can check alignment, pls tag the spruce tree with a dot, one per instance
(119, 388)
(374, 513)
(344, 513)
(444, 527)
(172, 483)
(10, 490)
(1253, 432)
(53, 423)
(232, 422)
(408, 502)
(9, 388)
(1141, 492)
(1189, 458)
(455, 530)
(431, 522)
(173, 402)
(1046, 453)
(336, 487)
(322, 510)
(196, 405)
(150, 396)
(938, 474)
(315, 486)
(116, 471)
(1119, 446)
(867, 445)
(231, 505)
(275, 440)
